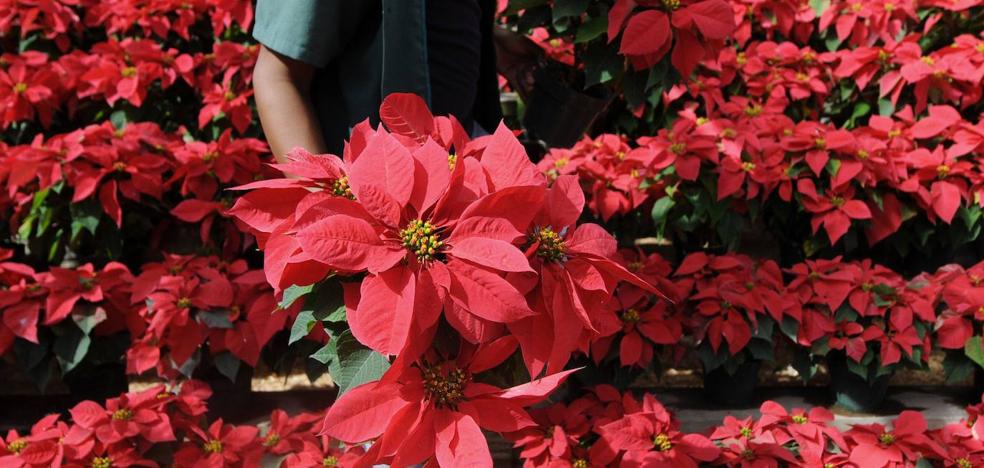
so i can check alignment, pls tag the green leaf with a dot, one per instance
(832, 43)
(118, 119)
(71, 349)
(216, 319)
(325, 299)
(591, 29)
(819, 6)
(974, 351)
(861, 109)
(337, 316)
(326, 353)
(227, 364)
(87, 316)
(356, 364)
(293, 293)
(661, 209)
(302, 326)
(885, 107)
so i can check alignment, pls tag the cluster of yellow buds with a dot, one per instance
(671, 4)
(340, 187)
(122, 414)
(452, 160)
(444, 388)
(101, 462)
(631, 316)
(329, 462)
(662, 442)
(420, 238)
(550, 246)
(212, 446)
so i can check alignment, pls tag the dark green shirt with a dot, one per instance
(363, 50)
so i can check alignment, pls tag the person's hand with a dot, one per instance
(517, 58)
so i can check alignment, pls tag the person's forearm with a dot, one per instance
(286, 112)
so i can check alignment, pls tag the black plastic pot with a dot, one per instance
(738, 389)
(853, 392)
(557, 113)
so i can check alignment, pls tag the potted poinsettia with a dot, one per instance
(865, 320)
(649, 326)
(468, 282)
(960, 326)
(734, 304)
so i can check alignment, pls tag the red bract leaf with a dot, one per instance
(347, 243)
(647, 33)
(536, 391)
(714, 18)
(407, 114)
(385, 313)
(88, 414)
(193, 210)
(487, 295)
(110, 202)
(386, 164)
(460, 441)
(264, 210)
(491, 253)
(617, 15)
(363, 413)
(939, 120)
(22, 319)
(946, 200)
(506, 163)
(687, 53)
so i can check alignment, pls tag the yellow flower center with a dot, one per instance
(229, 95)
(16, 446)
(820, 143)
(119, 166)
(837, 201)
(746, 432)
(20, 88)
(979, 47)
(671, 4)
(329, 462)
(964, 463)
(184, 303)
(748, 166)
(420, 238)
(444, 388)
(452, 160)
(702, 121)
(630, 316)
(212, 446)
(802, 77)
(662, 442)
(550, 245)
(101, 462)
(753, 110)
(862, 154)
(887, 438)
(620, 155)
(271, 439)
(856, 7)
(942, 170)
(928, 60)
(122, 414)
(340, 187)
(579, 463)
(741, 59)
(799, 419)
(129, 72)
(889, 7)
(678, 148)
(561, 162)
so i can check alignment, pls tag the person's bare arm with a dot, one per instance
(283, 99)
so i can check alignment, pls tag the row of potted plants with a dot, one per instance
(164, 425)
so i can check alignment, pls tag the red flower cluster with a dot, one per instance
(872, 173)
(866, 311)
(175, 306)
(66, 20)
(605, 428)
(181, 303)
(442, 227)
(145, 428)
(33, 86)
